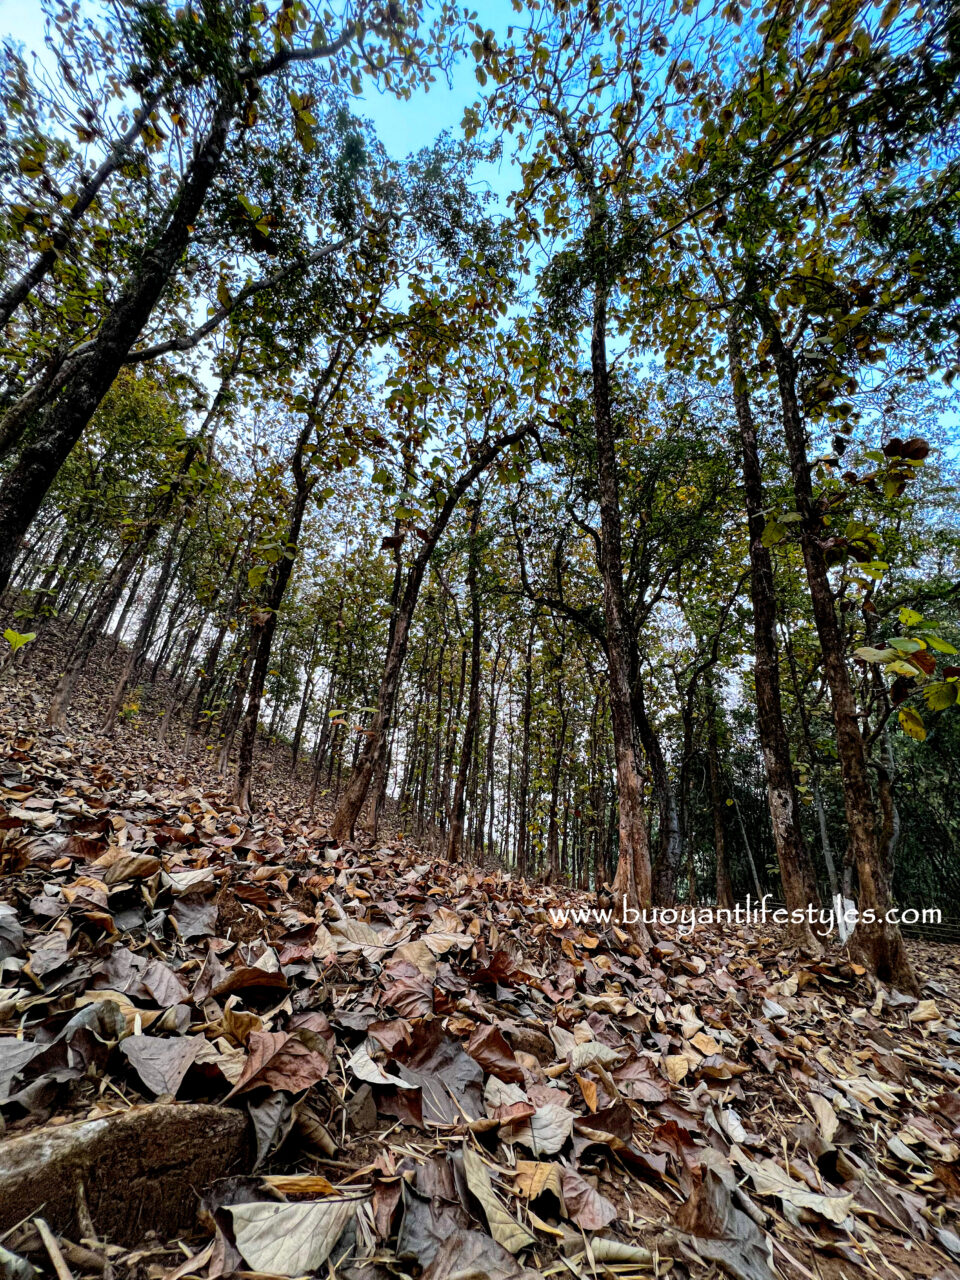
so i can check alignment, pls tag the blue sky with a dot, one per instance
(402, 126)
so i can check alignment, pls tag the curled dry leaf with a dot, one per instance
(279, 1060)
(769, 1179)
(488, 1047)
(364, 1068)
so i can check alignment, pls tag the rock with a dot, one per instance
(141, 1170)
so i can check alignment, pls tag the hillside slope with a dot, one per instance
(371, 1060)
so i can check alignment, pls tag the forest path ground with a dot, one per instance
(409, 1066)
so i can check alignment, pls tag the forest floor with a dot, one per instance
(371, 1063)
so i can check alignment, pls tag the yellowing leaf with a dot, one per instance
(911, 723)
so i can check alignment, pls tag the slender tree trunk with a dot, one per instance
(306, 699)
(135, 658)
(553, 826)
(724, 886)
(879, 945)
(172, 632)
(238, 697)
(796, 872)
(117, 633)
(178, 695)
(825, 843)
(490, 770)
(243, 789)
(323, 737)
(351, 802)
(670, 854)
(450, 747)
(60, 703)
(438, 742)
(455, 833)
(508, 795)
(523, 796)
(632, 881)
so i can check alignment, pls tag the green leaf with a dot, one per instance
(941, 646)
(910, 617)
(905, 645)
(17, 639)
(773, 532)
(252, 209)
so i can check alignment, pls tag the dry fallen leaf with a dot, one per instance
(290, 1239)
(503, 1227)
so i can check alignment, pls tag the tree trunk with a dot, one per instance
(724, 886)
(238, 697)
(523, 795)
(878, 944)
(117, 633)
(351, 802)
(796, 872)
(632, 881)
(455, 833)
(60, 425)
(825, 844)
(60, 703)
(138, 650)
(243, 789)
(670, 854)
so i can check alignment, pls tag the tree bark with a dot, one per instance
(632, 881)
(60, 702)
(724, 885)
(138, 650)
(455, 832)
(670, 854)
(243, 789)
(796, 872)
(877, 944)
(523, 796)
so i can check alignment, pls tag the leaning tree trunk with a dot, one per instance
(138, 650)
(61, 424)
(261, 662)
(62, 695)
(355, 793)
(796, 871)
(878, 944)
